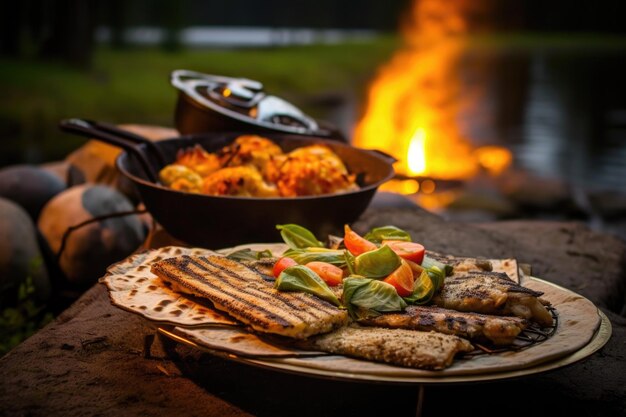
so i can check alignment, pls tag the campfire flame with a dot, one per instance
(414, 104)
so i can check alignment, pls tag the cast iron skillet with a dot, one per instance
(222, 221)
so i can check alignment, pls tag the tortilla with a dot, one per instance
(134, 288)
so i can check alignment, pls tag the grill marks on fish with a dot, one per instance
(474, 326)
(245, 295)
(262, 267)
(410, 348)
(267, 293)
(492, 293)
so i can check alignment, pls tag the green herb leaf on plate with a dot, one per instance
(423, 289)
(248, 254)
(378, 234)
(364, 297)
(301, 278)
(304, 256)
(377, 263)
(298, 237)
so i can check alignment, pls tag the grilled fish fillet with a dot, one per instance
(473, 326)
(462, 264)
(492, 293)
(425, 350)
(245, 295)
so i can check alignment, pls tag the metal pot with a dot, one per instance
(220, 221)
(212, 103)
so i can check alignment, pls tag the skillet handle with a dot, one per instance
(133, 137)
(116, 137)
(390, 158)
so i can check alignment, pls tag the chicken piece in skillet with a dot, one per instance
(250, 150)
(243, 181)
(181, 178)
(198, 160)
(311, 170)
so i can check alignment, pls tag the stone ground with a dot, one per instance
(91, 360)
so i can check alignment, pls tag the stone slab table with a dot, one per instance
(93, 361)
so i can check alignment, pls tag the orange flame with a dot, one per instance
(415, 101)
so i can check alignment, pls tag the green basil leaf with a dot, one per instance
(349, 261)
(368, 297)
(298, 237)
(437, 276)
(249, 255)
(429, 262)
(301, 278)
(304, 256)
(423, 289)
(377, 263)
(378, 234)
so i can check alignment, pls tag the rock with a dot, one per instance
(60, 169)
(20, 256)
(536, 194)
(476, 204)
(90, 248)
(384, 199)
(29, 186)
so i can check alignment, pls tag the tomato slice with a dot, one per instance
(401, 279)
(410, 251)
(282, 264)
(331, 274)
(355, 243)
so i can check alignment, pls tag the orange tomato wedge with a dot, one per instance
(410, 251)
(402, 279)
(355, 243)
(282, 264)
(331, 274)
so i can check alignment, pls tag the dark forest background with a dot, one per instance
(63, 29)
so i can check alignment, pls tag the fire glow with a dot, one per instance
(414, 104)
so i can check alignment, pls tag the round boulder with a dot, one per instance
(20, 256)
(29, 186)
(93, 244)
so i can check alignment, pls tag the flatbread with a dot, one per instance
(241, 342)
(134, 288)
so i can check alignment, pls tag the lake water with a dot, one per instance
(574, 118)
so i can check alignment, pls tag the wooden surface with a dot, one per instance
(92, 360)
